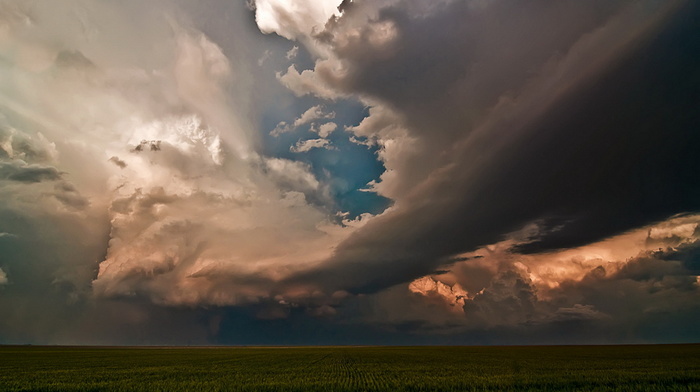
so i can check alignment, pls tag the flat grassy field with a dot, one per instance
(542, 368)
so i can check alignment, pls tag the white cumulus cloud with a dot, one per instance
(295, 18)
(308, 145)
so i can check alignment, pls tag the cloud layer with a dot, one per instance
(565, 144)
(174, 167)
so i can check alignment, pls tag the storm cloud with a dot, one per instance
(582, 148)
(327, 172)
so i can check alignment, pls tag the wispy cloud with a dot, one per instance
(307, 145)
(311, 115)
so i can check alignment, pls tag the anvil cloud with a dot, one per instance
(349, 172)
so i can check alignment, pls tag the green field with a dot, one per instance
(548, 368)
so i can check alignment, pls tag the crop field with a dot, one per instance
(545, 368)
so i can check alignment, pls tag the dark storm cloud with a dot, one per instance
(688, 254)
(503, 43)
(49, 260)
(118, 162)
(510, 299)
(592, 148)
(653, 292)
(69, 196)
(579, 117)
(74, 59)
(578, 312)
(21, 172)
(649, 297)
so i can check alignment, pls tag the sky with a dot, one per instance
(268, 172)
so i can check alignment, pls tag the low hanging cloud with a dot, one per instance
(602, 286)
(21, 172)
